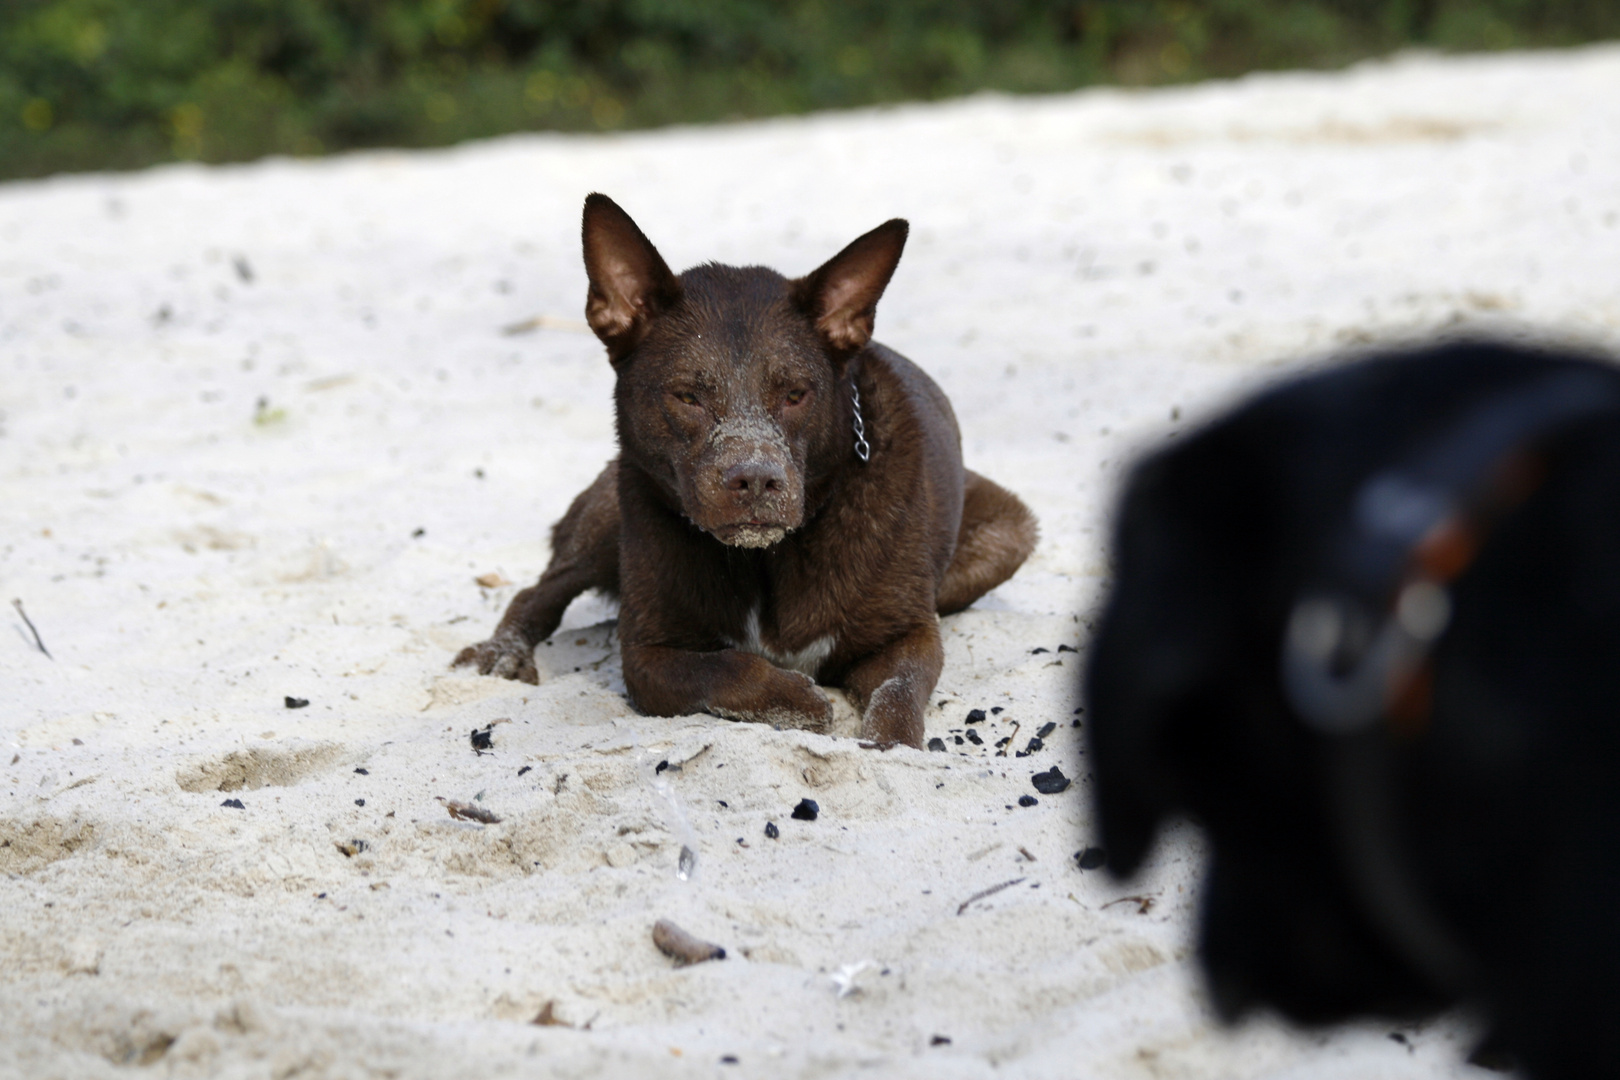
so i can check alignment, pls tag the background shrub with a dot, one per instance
(90, 84)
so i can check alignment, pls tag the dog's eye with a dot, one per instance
(686, 398)
(795, 396)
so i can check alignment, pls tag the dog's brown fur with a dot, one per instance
(740, 531)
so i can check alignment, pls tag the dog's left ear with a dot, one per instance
(841, 296)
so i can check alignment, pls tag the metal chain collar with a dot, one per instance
(863, 449)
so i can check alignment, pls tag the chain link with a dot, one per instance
(863, 449)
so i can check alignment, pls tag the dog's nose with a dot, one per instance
(754, 478)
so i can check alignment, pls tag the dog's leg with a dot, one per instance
(998, 533)
(584, 555)
(891, 687)
(737, 685)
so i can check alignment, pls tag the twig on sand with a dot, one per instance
(32, 628)
(682, 947)
(545, 322)
(548, 1017)
(1144, 904)
(991, 891)
(468, 811)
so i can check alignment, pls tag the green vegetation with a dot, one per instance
(89, 84)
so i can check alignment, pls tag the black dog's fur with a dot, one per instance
(1507, 804)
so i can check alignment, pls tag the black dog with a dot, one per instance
(1366, 631)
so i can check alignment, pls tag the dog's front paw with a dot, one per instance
(813, 709)
(790, 699)
(892, 717)
(506, 656)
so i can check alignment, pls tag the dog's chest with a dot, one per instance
(807, 658)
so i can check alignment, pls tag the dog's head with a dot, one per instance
(1186, 714)
(731, 392)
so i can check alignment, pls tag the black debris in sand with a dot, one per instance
(1051, 781)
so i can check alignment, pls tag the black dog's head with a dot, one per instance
(1217, 539)
(730, 379)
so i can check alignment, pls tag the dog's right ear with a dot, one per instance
(630, 283)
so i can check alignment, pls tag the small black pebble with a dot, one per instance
(417, 534)
(1074, 723)
(723, 803)
(662, 765)
(1021, 753)
(973, 737)
(729, 1059)
(936, 743)
(363, 772)
(297, 702)
(771, 831)
(1034, 745)
(940, 1040)
(1003, 741)
(958, 739)
(1079, 709)
(525, 769)
(483, 739)
(1067, 648)
(1396, 1036)
(997, 711)
(1046, 729)
(234, 804)
(1038, 649)
(1027, 800)
(1050, 782)
(975, 716)
(359, 802)
(806, 810)
(1092, 858)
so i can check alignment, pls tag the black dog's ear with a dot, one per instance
(1162, 635)
(1122, 732)
(841, 296)
(630, 283)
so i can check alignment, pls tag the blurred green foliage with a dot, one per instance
(89, 84)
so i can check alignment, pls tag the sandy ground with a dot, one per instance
(261, 429)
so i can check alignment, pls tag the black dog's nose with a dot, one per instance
(754, 478)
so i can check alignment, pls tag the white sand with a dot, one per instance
(1087, 275)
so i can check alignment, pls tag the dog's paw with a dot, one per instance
(892, 717)
(793, 700)
(505, 656)
(810, 704)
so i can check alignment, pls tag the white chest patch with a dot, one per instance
(808, 659)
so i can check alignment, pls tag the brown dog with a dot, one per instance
(788, 505)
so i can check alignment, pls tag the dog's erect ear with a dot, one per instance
(841, 297)
(630, 282)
